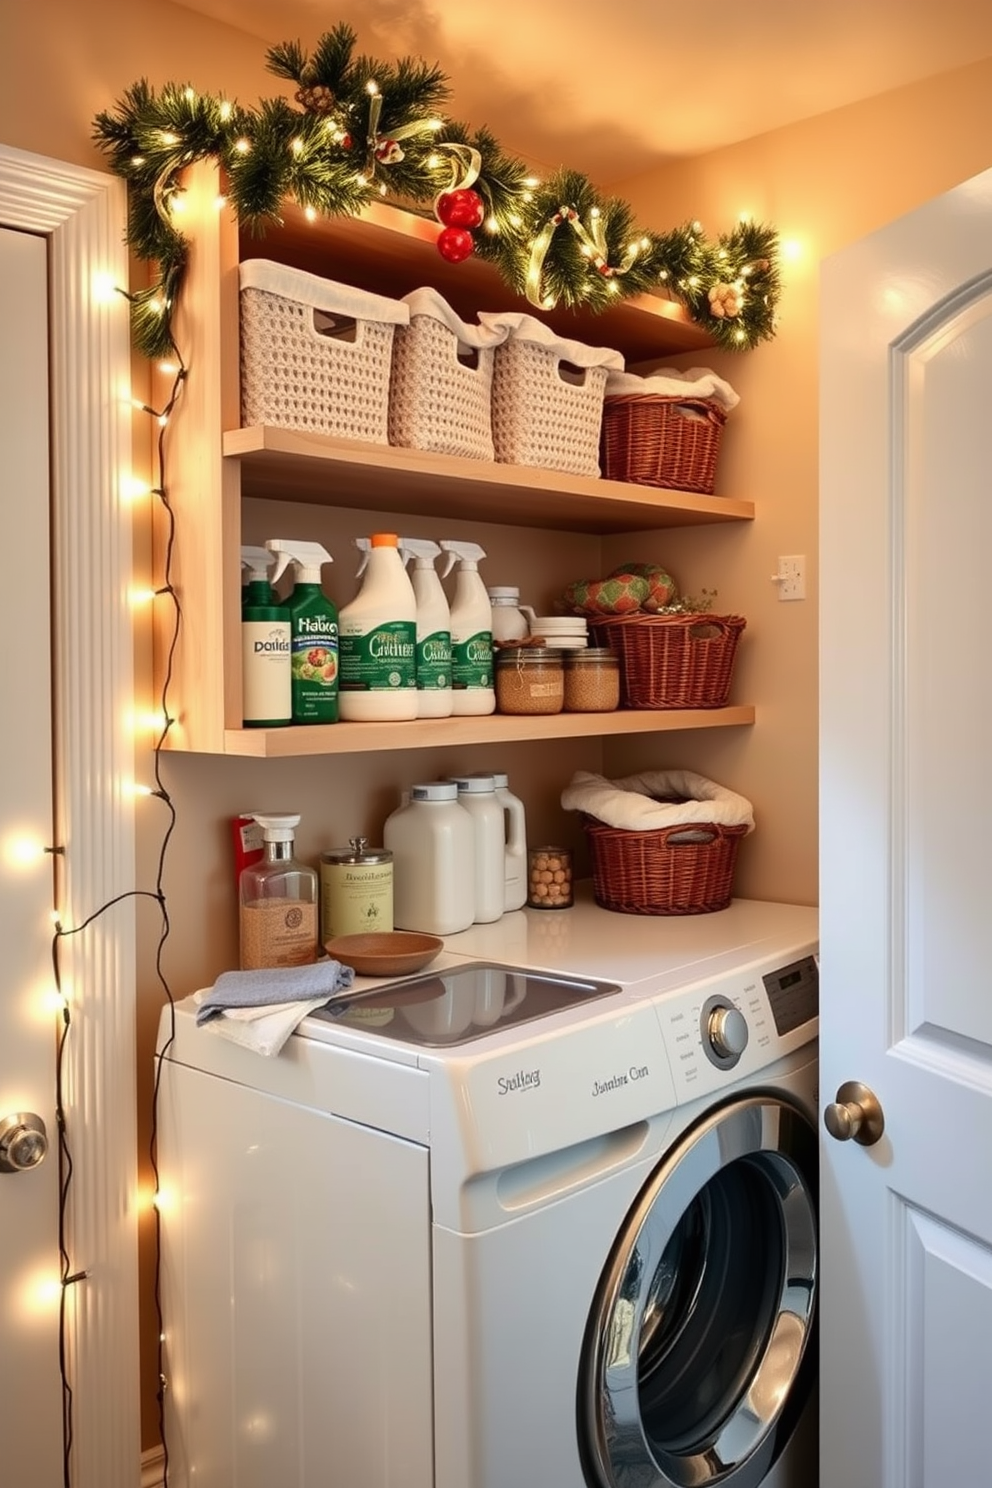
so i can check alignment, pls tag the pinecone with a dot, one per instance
(316, 99)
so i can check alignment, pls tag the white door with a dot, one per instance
(30, 1391)
(906, 894)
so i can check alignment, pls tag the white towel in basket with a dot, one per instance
(668, 382)
(632, 803)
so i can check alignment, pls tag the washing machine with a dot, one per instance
(541, 1216)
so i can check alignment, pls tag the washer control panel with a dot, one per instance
(732, 1026)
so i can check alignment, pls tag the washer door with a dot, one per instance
(690, 1370)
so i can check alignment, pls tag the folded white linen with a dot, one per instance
(669, 382)
(274, 985)
(637, 803)
(262, 1029)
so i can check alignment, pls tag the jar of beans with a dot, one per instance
(529, 679)
(549, 878)
(592, 680)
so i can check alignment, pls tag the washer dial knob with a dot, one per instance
(727, 1032)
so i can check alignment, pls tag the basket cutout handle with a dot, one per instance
(570, 373)
(694, 836)
(335, 327)
(701, 412)
(467, 357)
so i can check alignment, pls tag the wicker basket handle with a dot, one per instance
(707, 411)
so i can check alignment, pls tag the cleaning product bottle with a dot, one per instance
(432, 839)
(267, 700)
(434, 697)
(514, 840)
(278, 902)
(471, 633)
(477, 793)
(379, 638)
(313, 631)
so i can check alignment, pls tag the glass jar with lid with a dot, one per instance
(529, 679)
(592, 680)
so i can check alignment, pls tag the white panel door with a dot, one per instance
(906, 822)
(30, 1391)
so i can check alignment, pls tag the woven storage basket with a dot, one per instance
(672, 661)
(315, 355)
(651, 440)
(547, 397)
(441, 388)
(678, 870)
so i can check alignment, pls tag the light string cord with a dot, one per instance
(68, 1276)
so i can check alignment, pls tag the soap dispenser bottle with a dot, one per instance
(278, 902)
(471, 633)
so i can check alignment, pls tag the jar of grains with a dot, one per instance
(549, 878)
(592, 680)
(529, 679)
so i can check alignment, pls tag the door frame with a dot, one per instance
(83, 215)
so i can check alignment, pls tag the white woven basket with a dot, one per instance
(547, 398)
(315, 355)
(439, 397)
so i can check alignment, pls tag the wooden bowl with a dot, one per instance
(385, 952)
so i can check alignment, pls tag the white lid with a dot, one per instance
(474, 785)
(277, 828)
(435, 790)
(501, 593)
(320, 293)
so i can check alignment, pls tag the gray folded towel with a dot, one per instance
(272, 986)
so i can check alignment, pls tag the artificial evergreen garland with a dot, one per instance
(359, 130)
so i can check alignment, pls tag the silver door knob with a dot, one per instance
(23, 1142)
(855, 1114)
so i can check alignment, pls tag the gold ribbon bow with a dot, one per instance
(594, 245)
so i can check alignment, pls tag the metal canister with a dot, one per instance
(356, 889)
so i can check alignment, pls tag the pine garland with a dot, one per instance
(362, 130)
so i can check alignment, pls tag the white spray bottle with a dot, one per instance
(471, 632)
(379, 637)
(434, 695)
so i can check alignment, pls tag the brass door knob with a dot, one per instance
(23, 1142)
(855, 1114)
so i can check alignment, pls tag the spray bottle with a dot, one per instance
(471, 632)
(379, 637)
(434, 697)
(265, 646)
(313, 631)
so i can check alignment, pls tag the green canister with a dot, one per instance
(356, 890)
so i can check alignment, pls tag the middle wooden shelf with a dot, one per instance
(495, 728)
(287, 465)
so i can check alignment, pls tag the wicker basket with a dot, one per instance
(547, 399)
(679, 870)
(650, 440)
(672, 661)
(441, 389)
(315, 355)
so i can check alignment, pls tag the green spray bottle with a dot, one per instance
(313, 631)
(265, 646)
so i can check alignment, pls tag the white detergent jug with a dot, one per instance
(511, 621)
(432, 839)
(477, 793)
(514, 840)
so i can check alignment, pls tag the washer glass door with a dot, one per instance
(704, 1313)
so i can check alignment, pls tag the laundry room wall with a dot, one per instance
(823, 183)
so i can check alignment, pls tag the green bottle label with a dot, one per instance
(472, 661)
(380, 660)
(434, 661)
(314, 664)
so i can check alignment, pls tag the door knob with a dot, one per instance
(855, 1113)
(23, 1142)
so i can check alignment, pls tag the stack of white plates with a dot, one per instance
(565, 632)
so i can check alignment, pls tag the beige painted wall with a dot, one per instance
(823, 184)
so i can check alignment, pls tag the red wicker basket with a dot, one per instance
(678, 870)
(672, 661)
(652, 440)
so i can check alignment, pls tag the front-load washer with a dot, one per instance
(536, 1219)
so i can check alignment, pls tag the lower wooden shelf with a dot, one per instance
(496, 728)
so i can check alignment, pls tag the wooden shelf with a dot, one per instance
(449, 733)
(283, 464)
(391, 252)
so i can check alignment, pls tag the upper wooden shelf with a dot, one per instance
(286, 465)
(391, 252)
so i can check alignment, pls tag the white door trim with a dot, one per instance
(82, 213)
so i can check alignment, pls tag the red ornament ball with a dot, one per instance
(455, 244)
(462, 208)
